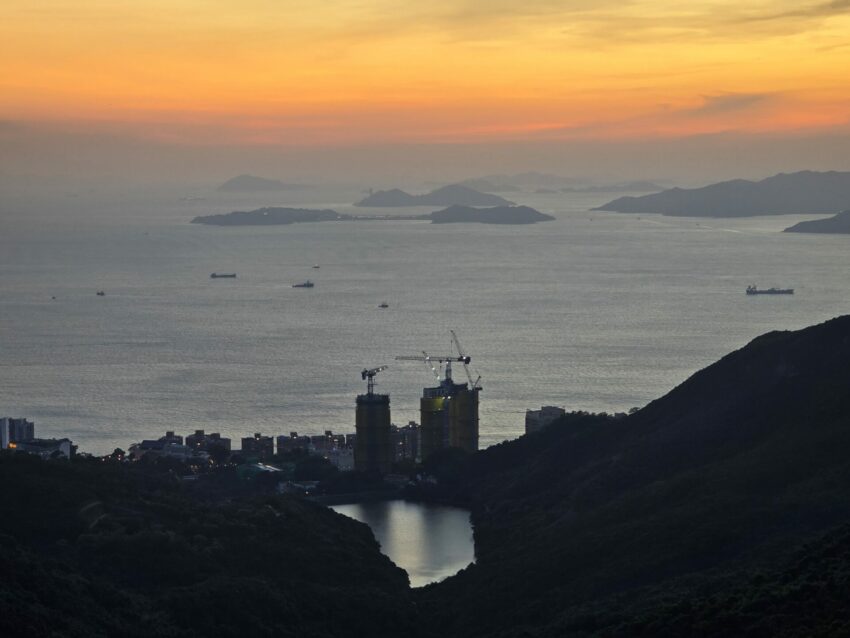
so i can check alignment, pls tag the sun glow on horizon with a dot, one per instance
(262, 72)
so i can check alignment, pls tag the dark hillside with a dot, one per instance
(720, 509)
(732, 469)
(97, 549)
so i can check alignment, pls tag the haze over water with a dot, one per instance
(593, 311)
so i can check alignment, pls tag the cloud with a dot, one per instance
(729, 102)
(819, 10)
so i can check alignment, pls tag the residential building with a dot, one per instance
(202, 441)
(15, 430)
(292, 443)
(258, 446)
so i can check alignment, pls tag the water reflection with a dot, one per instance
(430, 542)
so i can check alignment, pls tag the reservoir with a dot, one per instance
(430, 542)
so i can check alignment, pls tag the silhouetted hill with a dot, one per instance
(270, 217)
(106, 549)
(720, 509)
(248, 183)
(454, 194)
(837, 225)
(494, 215)
(600, 521)
(786, 193)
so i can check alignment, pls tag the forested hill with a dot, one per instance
(598, 522)
(107, 549)
(722, 508)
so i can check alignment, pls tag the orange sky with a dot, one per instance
(349, 71)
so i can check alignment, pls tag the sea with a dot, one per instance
(594, 311)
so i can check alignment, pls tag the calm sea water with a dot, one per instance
(594, 311)
(430, 542)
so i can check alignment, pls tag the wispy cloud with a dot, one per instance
(729, 103)
(817, 10)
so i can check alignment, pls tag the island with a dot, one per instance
(492, 215)
(453, 214)
(783, 194)
(836, 225)
(270, 217)
(445, 196)
(249, 183)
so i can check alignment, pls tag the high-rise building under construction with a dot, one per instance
(449, 411)
(449, 414)
(373, 449)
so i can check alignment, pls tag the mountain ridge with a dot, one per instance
(741, 462)
(782, 194)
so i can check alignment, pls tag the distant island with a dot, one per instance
(452, 214)
(454, 194)
(248, 183)
(836, 225)
(270, 217)
(494, 215)
(786, 193)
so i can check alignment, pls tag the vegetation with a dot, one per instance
(682, 501)
(720, 509)
(104, 548)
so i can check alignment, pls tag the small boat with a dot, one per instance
(753, 290)
(306, 284)
(383, 304)
(223, 275)
(316, 266)
(100, 293)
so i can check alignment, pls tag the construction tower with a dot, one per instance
(373, 449)
(449, 411)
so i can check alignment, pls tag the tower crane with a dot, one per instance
(369, 376)
(466, 360)
(430, 360)
(430, 365)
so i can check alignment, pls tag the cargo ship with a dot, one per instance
(753, 290)
(223, 275)
(306, 284)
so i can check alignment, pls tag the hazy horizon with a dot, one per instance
(27, 154)
(385, 93)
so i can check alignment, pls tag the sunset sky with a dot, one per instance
(271, 72)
